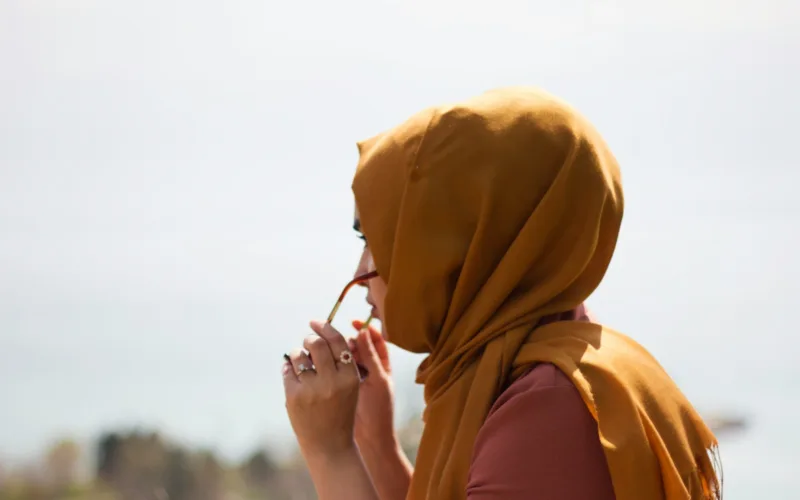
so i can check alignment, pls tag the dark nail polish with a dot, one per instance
(287, 358)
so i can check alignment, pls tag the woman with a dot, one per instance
(487, 225)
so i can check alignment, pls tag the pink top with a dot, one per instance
(540, 442)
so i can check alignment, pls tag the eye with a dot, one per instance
(357, 229)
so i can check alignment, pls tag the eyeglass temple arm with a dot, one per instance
(353, 282)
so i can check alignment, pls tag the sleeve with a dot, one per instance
(540, 442)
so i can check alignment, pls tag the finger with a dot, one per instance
(381, 348)
(359, 357)
(320, 353)
(301, 364)
(336, 341)
(367, 355)
(352, 344)
(378, 342)
(358, 325)
(290, 380)
(287, 370)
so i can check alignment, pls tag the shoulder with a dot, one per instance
(539, 440)
(542, 377)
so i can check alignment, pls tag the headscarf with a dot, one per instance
(484, 217)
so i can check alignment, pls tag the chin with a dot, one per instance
(382, 327)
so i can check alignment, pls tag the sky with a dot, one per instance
(175, 198)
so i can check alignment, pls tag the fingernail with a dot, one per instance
(287, 358)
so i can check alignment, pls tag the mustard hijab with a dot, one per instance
(483, 217)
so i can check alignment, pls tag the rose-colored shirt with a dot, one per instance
(540, 442)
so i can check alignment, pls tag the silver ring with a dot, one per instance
(346, 357)
(302, 368)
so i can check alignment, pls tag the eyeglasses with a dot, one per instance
(358, 280)
(355, 281)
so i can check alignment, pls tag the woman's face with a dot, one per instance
(376, 287)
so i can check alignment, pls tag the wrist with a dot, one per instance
(388, 466)
(331, 457)
(340, 475)
(379, 445)
(385, 455)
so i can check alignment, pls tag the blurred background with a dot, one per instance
(175, 207)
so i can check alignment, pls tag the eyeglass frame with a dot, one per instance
(363, 278)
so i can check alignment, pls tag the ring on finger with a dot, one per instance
(346, 357)
(302, 368)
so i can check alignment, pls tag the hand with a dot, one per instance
(321, 402)
(374, 424)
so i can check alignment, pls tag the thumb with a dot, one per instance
(379, 343)
(358, 324)
(366, 350)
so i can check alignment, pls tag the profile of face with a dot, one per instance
(376, 287)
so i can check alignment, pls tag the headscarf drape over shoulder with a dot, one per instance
(484, 217)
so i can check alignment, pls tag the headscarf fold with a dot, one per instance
(484, 217)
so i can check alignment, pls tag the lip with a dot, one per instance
(373, 308)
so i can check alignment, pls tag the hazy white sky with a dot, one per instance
(175, 202)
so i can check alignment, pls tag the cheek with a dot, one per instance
(378, 289)
(364, 262)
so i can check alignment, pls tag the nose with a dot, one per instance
(363, 265)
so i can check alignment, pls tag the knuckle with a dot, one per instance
(315, 344)
(311, 340)
(331, 332)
